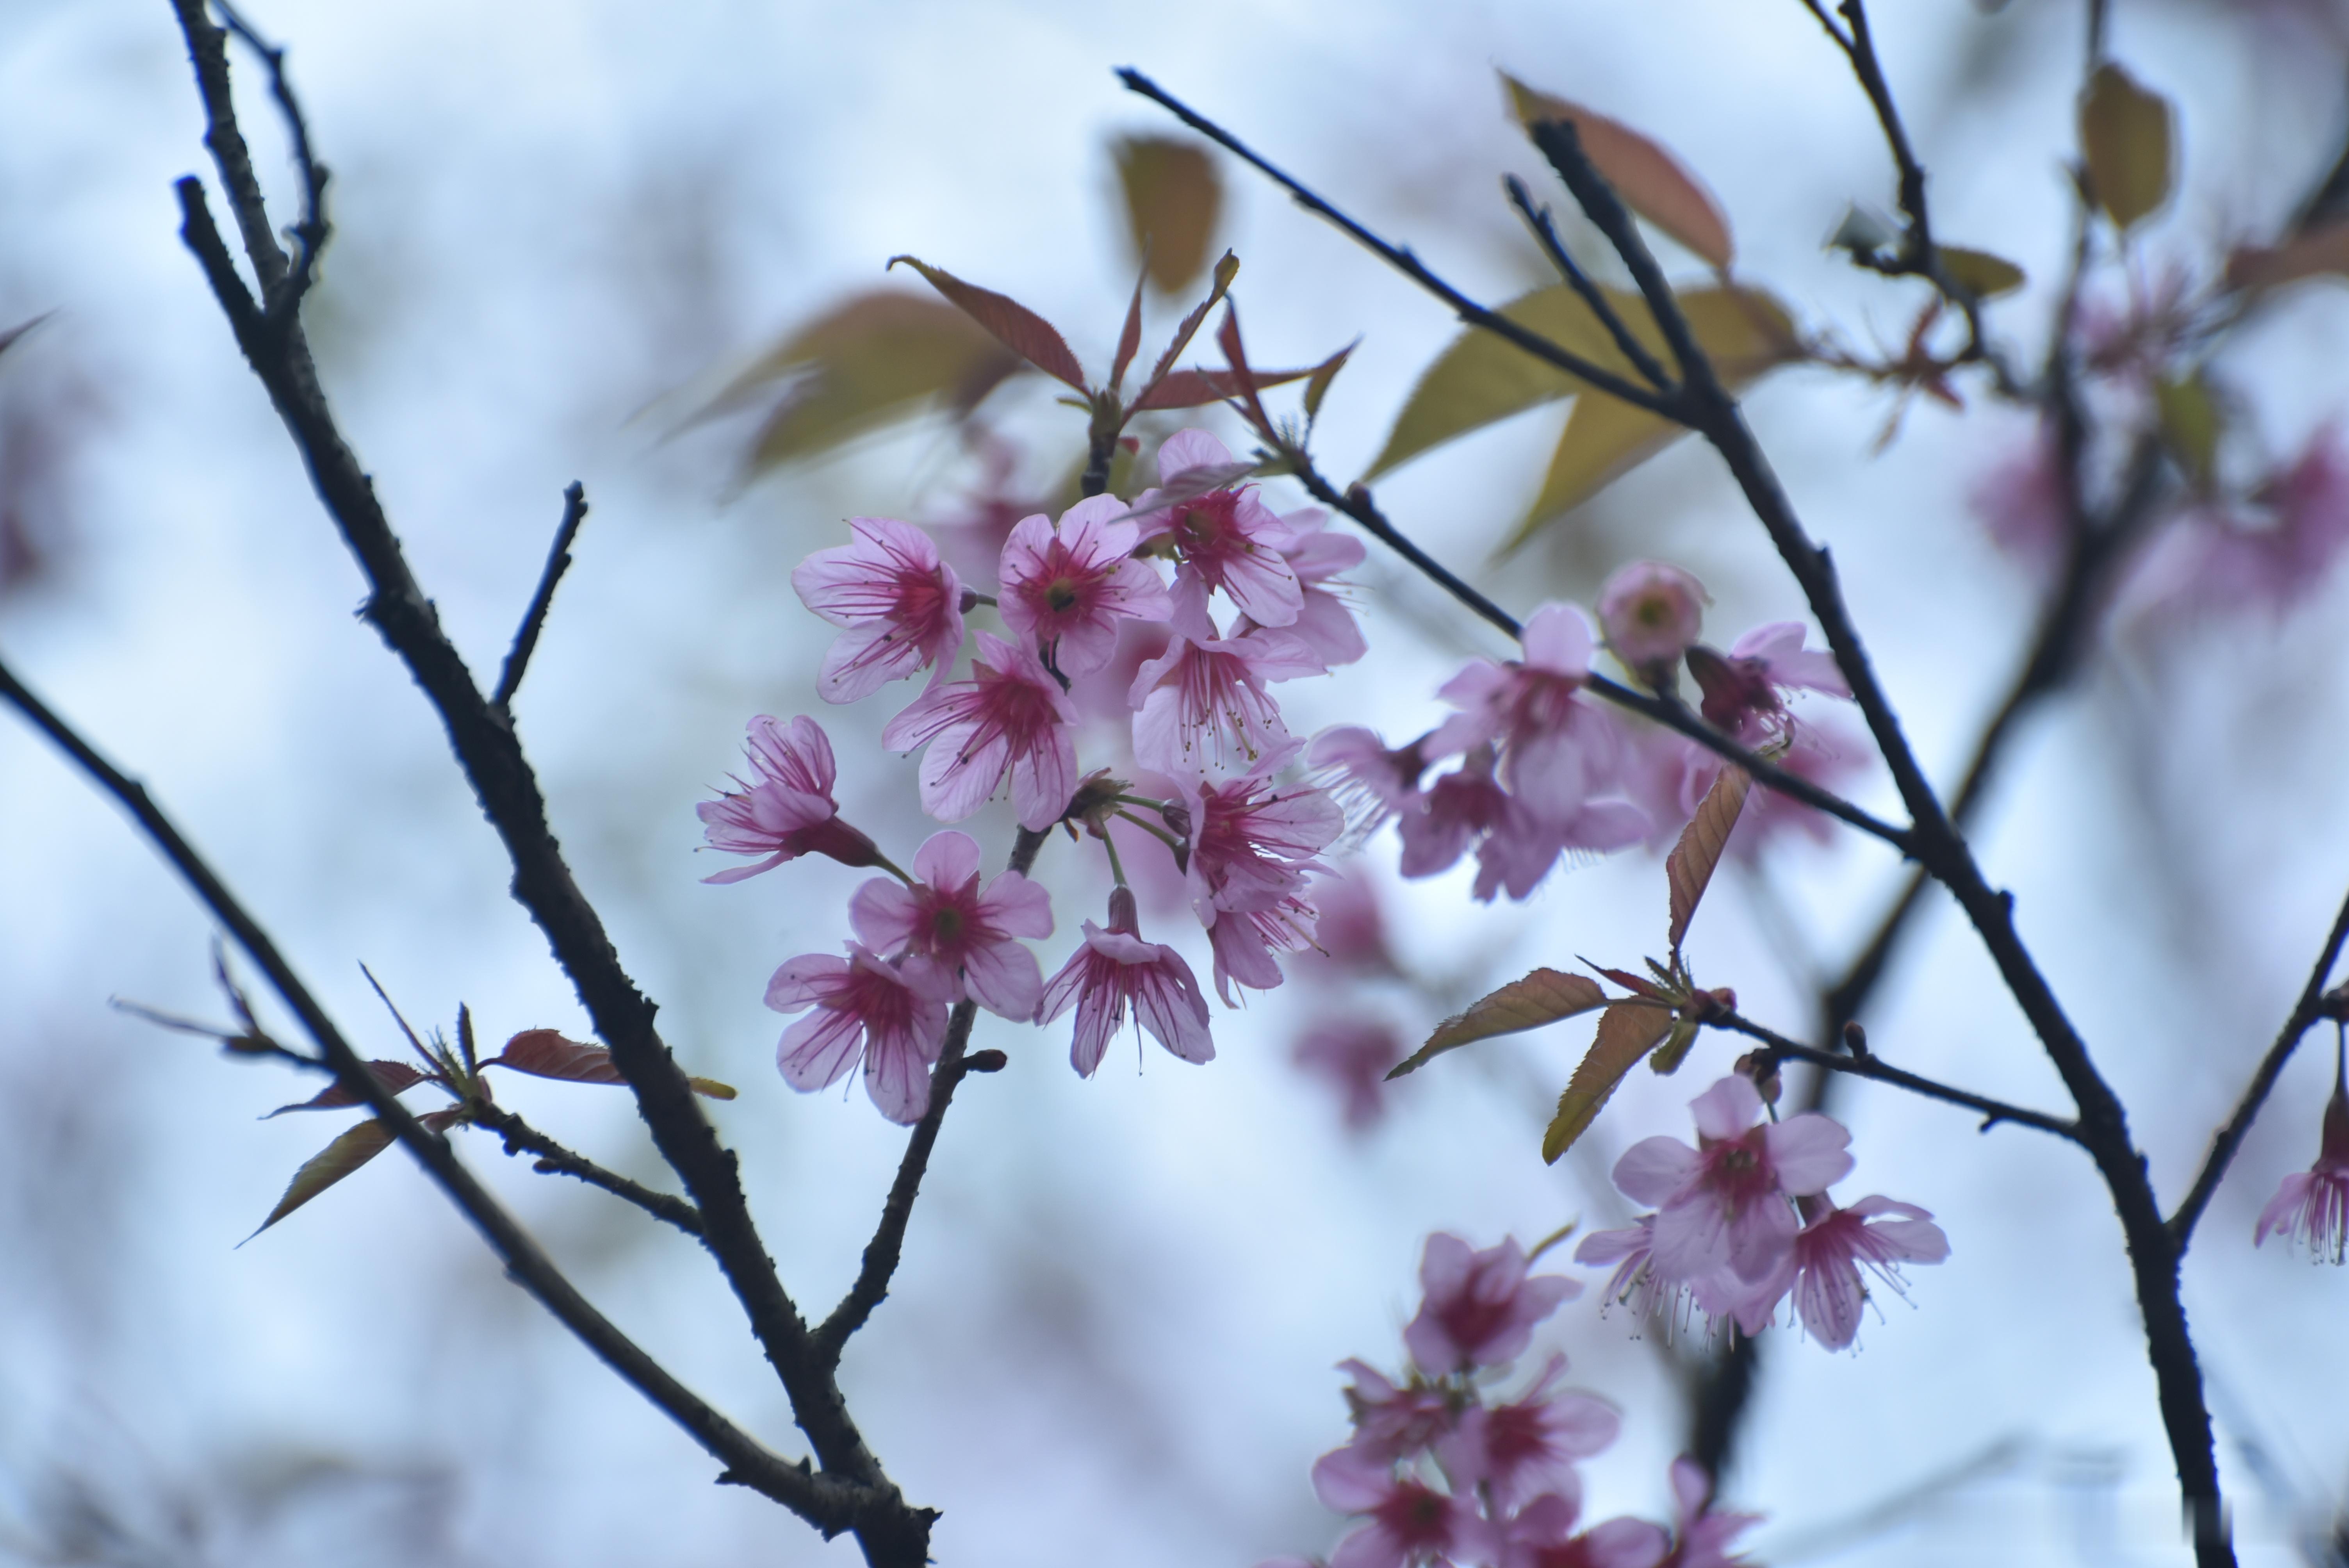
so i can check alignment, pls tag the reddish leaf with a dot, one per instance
(543, 1053)
(2312, 255)
(1173, 198)
(1196, 389)
(1626, 1032)
(1689, 868)
(345, 1154)
(1544, 996)
(1227, 339)
(1021, 330)
(1226, 271)
(393, 1076)
(1650, 181)
(1129, 341)
(1629, 981)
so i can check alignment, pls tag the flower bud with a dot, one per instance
(1124, 915)
(1651, 614)
(984, 1062)
(1855, 1038)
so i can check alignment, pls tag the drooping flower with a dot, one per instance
(900, 605)
(1480, 1308)
(1224, 539)
(969, 932)
(893, 1015)
(1202, 703)
(1742, 687)
(1115, 969)
(1405, 1521)
(1351, 1054)
(1389, 1421)
(1651, 614)
(1009, 716)
(1067, 585)
(1529, 1445)
(1542, 1535)
(1831, 1248)
(789, 811)
(1704, 1536)
(1729, 1201)
(1245, 940)
(2311, 1206)
(1253, 841)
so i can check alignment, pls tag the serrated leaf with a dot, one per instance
(1173, 199)
(2126, 134)
(1626, 1032)
(544, 1053)
(1980, 274)
(1021, 330)
(1651, 182)
(1544, 996)
(1318, 387)
(345, 1154)
(1689, 868)
(394, 1076)
(1666, 1059)
(2319, 252)
(1227, 269)
(1196, 389)
(2191, 422)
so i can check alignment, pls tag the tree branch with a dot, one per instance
(520, 1137)
(558, 562)
(1545, 232)
(824, 1502)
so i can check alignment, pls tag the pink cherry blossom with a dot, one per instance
(1651, 614)
(790, 811)
(1480, 1308)
(1516, 845)
(1252, 840)
(2021, 502)
(893, 1015)
(1729, 1201)
(1405, 1520)
(1317, 555)
(2311, 1206)
(1390, 1422)
(1351, 1054)
(1705, 1536)
(969, 932)
(1245, 940)
(2266, 555)
(1115, 969)
(1224, 539)
(1202, 703)
(1742, 687)
(1009, 716)
(1067, 585)
(1529, 1445)
(1541, 1535)
(1559, 749)
(1828, 1255)
(1352, 934)
(1369, 779)
(901, 606)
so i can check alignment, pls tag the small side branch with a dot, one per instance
(558, 562)
(310, 233)
(521, 1138)
(2312, 1004)
(1545, 231)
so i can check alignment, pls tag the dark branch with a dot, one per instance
(824, 1502)
(1545, 231)
(2304, 1015)
(310, 233)
(1403, 261)
(521, 1138)
(558, 562)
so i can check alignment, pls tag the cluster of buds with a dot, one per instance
(1443, 1470)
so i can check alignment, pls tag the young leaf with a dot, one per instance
(1226, 271)
(1196, 389)
(2318, 251)
(2124, 136)
(1626, 1032)
(394, 1076)
(1173, 198)
(1650, 181)
(1980, 274)
(1227, 339)
(345, 1154)
(1318, 387)
(543, 1053)
(1129, 339)
(1021, 330)
(1542, 998)
(1668, 1057)
(1689, 866)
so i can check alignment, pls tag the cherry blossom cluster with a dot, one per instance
(1075, 596)
(1545, 770)
(1743, 1220)
(1441, 1469)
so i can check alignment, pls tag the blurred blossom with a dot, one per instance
(2266, 557)
(1652, 613)
(1351, 1054)
(2021, 502)
(1480, 1307)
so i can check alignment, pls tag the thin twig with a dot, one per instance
(1403, 261)
(1875, 1069)
(1538, 218)
(2305, 1014)
(310, 233)
(521, 1138)
(558, 562)
(824, 1502)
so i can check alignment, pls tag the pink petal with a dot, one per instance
(898, 1080)
(947, 860)
(816, 1051)
(1726, 1109)
(1188, 450)
(1016, 907)
(1810, 1153)
(884, 914)
(1558, 638)
(1005, 979)
(1653, 1169)
(806, 979)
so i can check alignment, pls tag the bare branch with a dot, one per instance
(521, 1138)
(1545, 231)
(558, 562)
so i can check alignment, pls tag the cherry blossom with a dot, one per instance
(2267, 555)
(1728, 1203)
(1317, 555)
(1651, 614)
(1253, 841)
(1009, 716)
(893, 1015)
(790, 811)
(1115, 969)
(1529, 1445)
(1828, 1253)
(2021, 502)
(901, 606)
(1742, 687)
(1224, 539)
(2311, 1206)
(1245, 940)
(1371, 780)
(1202, 703)
(1066, 586)
(1351, 1054)
(1704, 1536)
(1558, 750)
(1480, 1308)
(1405, 1521)
(969, 932)
(1516, 845)
(1390, 1422)
(1541, 1535)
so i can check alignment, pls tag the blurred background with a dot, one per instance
(560, 230)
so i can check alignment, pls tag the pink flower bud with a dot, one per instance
(1651, 614)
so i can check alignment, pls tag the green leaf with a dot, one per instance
(1979, 272)
(1544, 996)
(2191, 421)
(1021, 330)
(1651, 182)
(1626, 1032)
(1689, 868)
(345, 1154)
(1173, 199)
(1318, 387)
(2125, 132)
